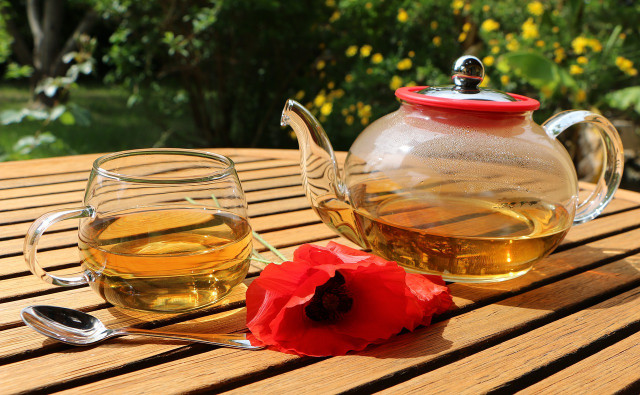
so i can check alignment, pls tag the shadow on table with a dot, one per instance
(417, 344)
(582, 275)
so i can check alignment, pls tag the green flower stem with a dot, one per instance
(255, 255)
(269, 246)
(215, 200)
(254, 258)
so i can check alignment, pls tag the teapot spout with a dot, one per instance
(321, 177)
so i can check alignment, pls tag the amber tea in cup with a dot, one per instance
(162, 230)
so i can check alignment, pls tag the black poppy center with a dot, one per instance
(330, 300)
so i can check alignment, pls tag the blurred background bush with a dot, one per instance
(102, 75)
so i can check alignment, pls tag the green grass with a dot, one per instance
(114, 126)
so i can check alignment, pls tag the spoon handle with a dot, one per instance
(233, 340)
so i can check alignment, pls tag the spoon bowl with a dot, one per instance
(81, 329)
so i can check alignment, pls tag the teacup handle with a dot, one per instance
(33, 236)
(613, 158)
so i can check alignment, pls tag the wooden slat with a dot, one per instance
(16, 264)
(609, 371)
(465, 293)
(598, 260)
(405, 351)
(23, 340)
(496, 367)
(77, 163)
(350, 372)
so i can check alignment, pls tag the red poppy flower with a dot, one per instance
(332, 300)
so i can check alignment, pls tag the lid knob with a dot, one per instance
(468, 73)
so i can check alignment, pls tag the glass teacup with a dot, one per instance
(161, 230)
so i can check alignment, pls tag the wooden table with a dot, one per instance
(571, 325)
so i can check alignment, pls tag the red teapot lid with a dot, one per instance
(468, 73)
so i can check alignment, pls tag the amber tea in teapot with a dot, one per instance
(459, 181)
(473, 240)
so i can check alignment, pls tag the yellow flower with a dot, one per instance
(352, 50)
(364, 121)
(489, 25)
(352, 108)
(364, 111)
(402, 15)
(349, 120)
(326, 109)
(319, 100)
(622, 36)
(560, 55)
(299, 96)
(365, 51)
(632, 72)
(504, 79)
(338, 93)
(493, 41)
(535, 8)
(320, 65)
(509, 36)
(488, 60)
(530, 29)
(625, 65)
(486, 8)
(581, 95)
(331, 85)
(546, 91)
(396, 82)
(404, 64)
(574, 69)
(485, 82)
(368, 6)
(434, 25)
(369, 70)
(345, 112)
(556, 44)
(579, 44)
(467, 7)
(555, 29)
(411, 54)
(466, 27)
(437, 41)
(330, 3)
(335, 16)
(595, 45)
(348, 78)
(540, 43)
(582, 60)
(513, 45)
(495, 50)
(377, 58)
(462, 37)
(457, 4)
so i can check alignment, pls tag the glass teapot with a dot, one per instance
(459, 181)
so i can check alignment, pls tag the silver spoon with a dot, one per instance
(82, 329)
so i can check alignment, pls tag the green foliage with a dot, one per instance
(16, 71)
(229, 65)
(43, 142)
(624, 99)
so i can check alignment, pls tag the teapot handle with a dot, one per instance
(613, 159)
